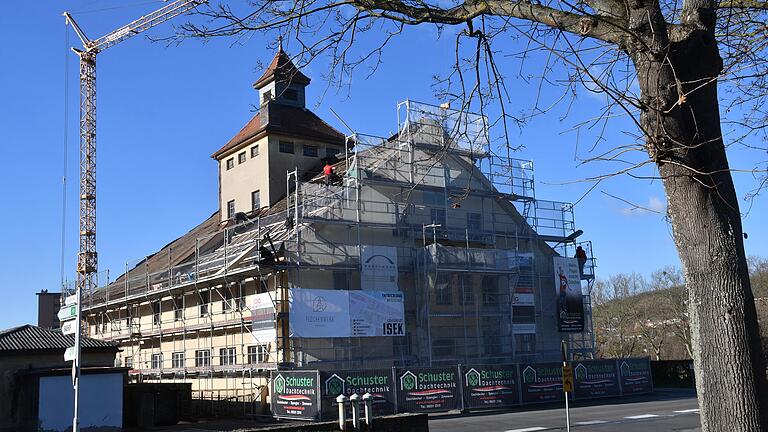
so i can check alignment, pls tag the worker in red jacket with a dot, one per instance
(328, 173)
(581, 257)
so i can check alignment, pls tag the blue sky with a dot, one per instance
(163, 110)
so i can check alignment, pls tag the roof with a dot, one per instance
(281, 69)
(287, 120)
(33, 338)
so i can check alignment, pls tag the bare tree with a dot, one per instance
(677, 54)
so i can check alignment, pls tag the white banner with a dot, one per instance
(263, 319)
(379, 268)
(523, 299)
(377, 313)
(318, 313)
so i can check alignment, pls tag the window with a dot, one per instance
(205, 298)
(156, 313)
(255, 151)
(241, 157)
(443, 290)
(178, 360)
(267, 96)
(331, 151)
(230, 209)
(129, 362)
(474, 222)
(291, 94)
(157, 361)
(341, 279)
(438, 216)
(227, 356)
(523, 314)
(434, 198)
(468, 293)
(226, 302)
(230, 163)
(310, 150)
(104, 322)
(258, 354)
(525, 343)
(286, 147)
(202, 358)
(490, 290)
(443, 347)
(178, 311)
(255, 200)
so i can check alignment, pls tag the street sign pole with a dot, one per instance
(567, 383)
(76, 363)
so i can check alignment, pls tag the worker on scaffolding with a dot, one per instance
(328, 173)
(581, 257)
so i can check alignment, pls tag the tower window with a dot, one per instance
(230, 163)
(231, 209)
(241, 157)
(291, 94)
(267, 96)
(255, 200)
(310, 150)
(255, 151)
(286, 147)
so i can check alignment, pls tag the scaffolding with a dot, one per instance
(472, 244)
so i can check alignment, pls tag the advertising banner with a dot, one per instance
(377, 382)
(635, 374)
(523, 299)
(377, 313)
(491, 386)
(317, 313)
(570, 305)
(295, 395)
(379, 268)
(427, 389)
(541, 382)
(595, 378)
(263, 319)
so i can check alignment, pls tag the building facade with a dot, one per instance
(431, 218)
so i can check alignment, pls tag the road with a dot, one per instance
(664, 411)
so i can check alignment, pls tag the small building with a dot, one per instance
(31, 380)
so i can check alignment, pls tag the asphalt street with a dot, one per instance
(664, 411)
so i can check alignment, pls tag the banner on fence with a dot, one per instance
(635, 376)
(541, 382)
(377, 382)
(570, 304)
(489, 386)
(319, 313)
(295, 395)
(595, 379)
(427, 389)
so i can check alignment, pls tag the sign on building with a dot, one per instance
(427, 389)
(263, 319)
(379, 268)
(295, 395)
(595, 378)
(489, 386)
(541, 382)
(570, 304)
(318, 313)
(377, 382)
(635, 376)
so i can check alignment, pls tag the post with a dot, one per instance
(342, 401)
(567, 383)
(368, 400)
(355, 400)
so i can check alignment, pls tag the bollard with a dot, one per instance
(368, 400)
(342, 401)
(355, 400)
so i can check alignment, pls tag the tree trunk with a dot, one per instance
(685, 141)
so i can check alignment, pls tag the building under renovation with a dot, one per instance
(426, 247)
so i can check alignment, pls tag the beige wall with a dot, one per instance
(266, 172)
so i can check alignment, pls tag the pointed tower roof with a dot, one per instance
(281, 69)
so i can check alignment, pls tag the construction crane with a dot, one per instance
(87, 262)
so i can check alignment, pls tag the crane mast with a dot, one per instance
(87, 261)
